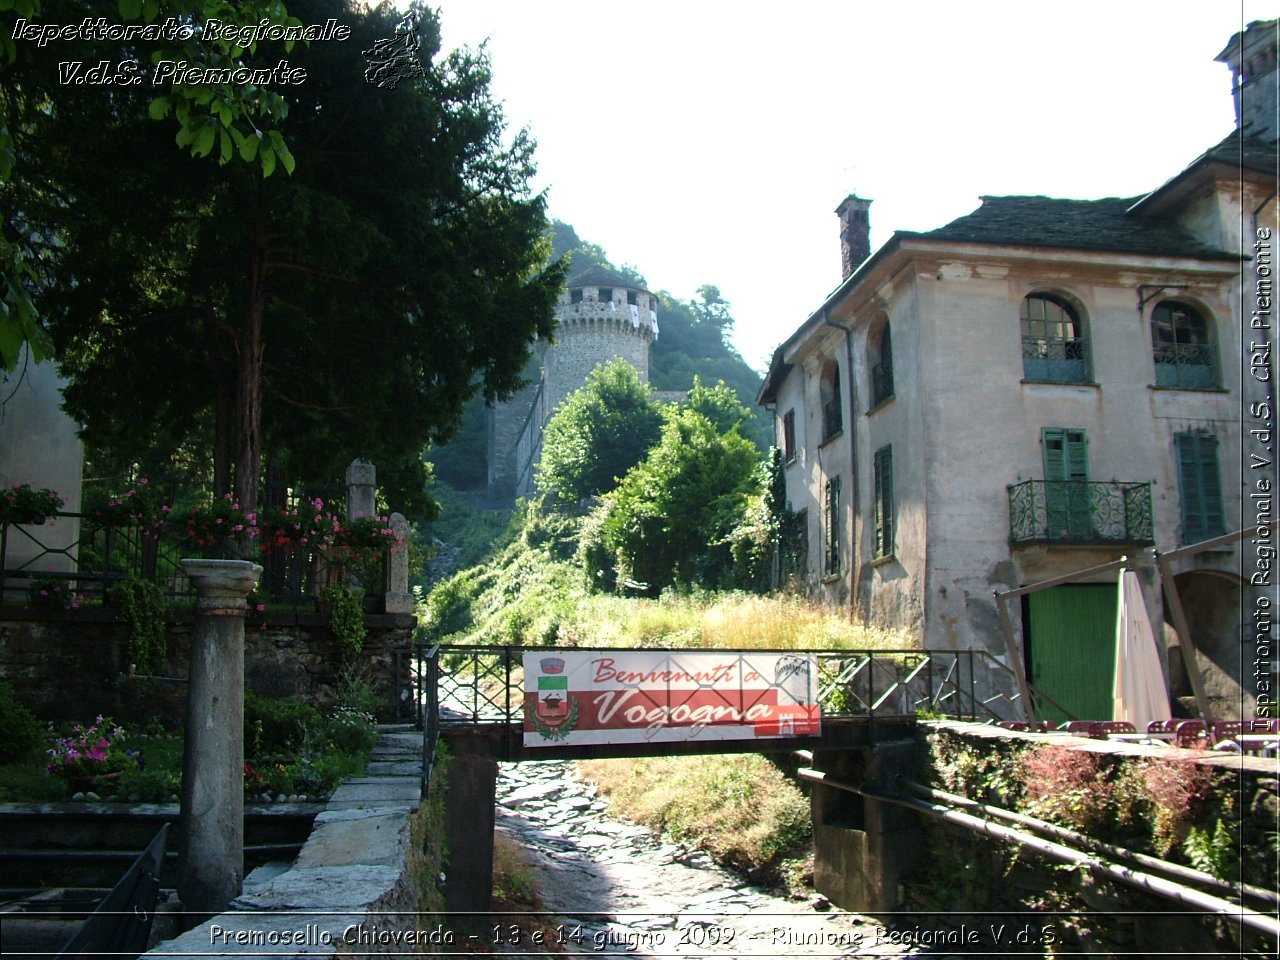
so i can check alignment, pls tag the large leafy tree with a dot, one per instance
(32, 79)
(347, 310)
(672, 519)
(598, 433)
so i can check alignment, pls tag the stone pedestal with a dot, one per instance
(362, 485)
(399, 599)
(211, 851)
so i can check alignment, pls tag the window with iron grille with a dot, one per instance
(829, 394)
(789, 435)
(881, 356)
(1200, 486)
(883, 468)
(1054, 345)
(831, 527)
(1182, 347)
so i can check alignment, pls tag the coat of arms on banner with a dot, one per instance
(555, 712)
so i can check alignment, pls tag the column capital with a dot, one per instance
(221, 584)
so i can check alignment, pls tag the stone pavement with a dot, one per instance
(621, 891)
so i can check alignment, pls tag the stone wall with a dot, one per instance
(972, 875)
(73, 665)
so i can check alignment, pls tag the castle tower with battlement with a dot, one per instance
(600, 316)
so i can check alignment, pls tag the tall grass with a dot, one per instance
(740, 808)
(721, 621)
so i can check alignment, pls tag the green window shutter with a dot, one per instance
(1068, 509)
(1201, 486)
(1066, 454)
(884, 501)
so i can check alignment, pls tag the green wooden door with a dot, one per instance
(1066, 488)
(1071, 648)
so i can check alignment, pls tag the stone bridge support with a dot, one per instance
(863, 847)
(470, 803)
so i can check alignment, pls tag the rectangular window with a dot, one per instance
(789, 436)
(1200, 486)
(884, 502)
(831, 528)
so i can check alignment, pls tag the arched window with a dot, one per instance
(1182, 347)
(880, 358)
(1054, 345)
(829, 394)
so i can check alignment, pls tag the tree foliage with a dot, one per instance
(672, 519)
(346, 311)
(236, 115)
(598, 433)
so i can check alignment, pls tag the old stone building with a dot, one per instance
(600, 316)
(1034, 389)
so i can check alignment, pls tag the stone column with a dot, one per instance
(211, 851)
(362, 483)
(399, 599)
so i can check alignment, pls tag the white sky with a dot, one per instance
(709, 141)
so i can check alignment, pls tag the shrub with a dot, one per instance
(277, 726)
(1066, 786)
(146, 614)
(23, 736)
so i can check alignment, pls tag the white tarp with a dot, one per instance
(1139, 689)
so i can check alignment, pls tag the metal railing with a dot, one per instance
(1079, 511)
(1185, 365)
(485, 684)
(99, 554)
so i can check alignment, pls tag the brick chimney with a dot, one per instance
(855, 233)
(1251, 55)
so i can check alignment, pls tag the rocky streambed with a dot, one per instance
(619, 890)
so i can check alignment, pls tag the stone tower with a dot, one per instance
(600, 316)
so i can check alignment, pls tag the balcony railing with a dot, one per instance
(1188, 366)
(832, 420)
(881, 383)
(1080, 512)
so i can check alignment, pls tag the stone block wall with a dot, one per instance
(73, 665)
(969, 874)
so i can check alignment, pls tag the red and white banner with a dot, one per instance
(653, 696)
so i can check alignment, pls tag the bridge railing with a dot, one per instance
(485, 684)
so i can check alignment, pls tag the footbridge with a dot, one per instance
(851, 713)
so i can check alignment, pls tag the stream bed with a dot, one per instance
(618, 890)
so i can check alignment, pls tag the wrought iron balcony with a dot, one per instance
(1188, 366)
(1080, 512)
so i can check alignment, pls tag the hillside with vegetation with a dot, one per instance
(658, 525)
(694, 341)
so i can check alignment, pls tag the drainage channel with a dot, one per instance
(617, 890)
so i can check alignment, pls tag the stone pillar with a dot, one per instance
(864, 847)
(211, 851)
(469, 820)
(399, 599)
(362, 482)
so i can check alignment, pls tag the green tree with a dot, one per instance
(238, 118)
(346, 311)
(599, 433)
(671, 519)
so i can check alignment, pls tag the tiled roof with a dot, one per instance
(1072, 224)
(1252, 153)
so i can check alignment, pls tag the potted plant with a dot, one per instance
(91, 754)
(23, 503)
(221, 529)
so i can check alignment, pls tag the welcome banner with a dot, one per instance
(653, 696)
